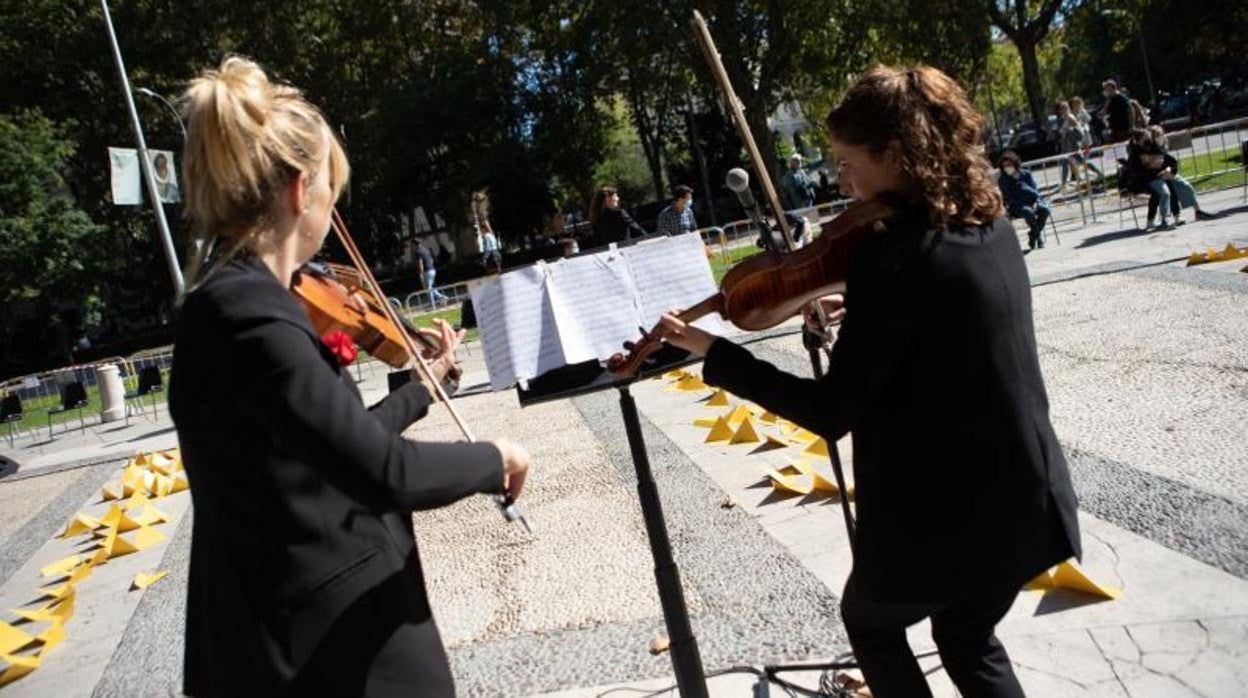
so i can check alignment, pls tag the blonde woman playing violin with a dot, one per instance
(304, 573)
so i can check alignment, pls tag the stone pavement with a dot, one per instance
(1146, 362)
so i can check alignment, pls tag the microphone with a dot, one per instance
(738, 180)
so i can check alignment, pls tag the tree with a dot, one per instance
(47, 244)
(1026, 24)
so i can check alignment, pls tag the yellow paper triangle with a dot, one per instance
(801, 435)
(144, 580)
(50, 638)
(13, 639)
(718, 399)
(164, 463)
(720, 432)
(147, 537)
(706, 422)
(768, 417)
(1230, 251)
(745, 433)
(136, 500)
(19, 666)
(785, 482)
(1195, 258)
(110, 493)
(180, 483)
(80, 524)
(116, 546)
(56, 610)
(776, 442)
(818, 448)
(116, 521)
(690, 383)
(1068, 576)
(150, 515)
(738, 414)
(817, 481)
(1042, 581)
(60, 567)
(163, 486)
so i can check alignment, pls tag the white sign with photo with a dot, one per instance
(166, 175)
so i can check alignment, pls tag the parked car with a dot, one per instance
(1032, 144)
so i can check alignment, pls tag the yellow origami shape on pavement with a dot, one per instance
(80, 524)
(718, 399)
(768, 417)
(745, 433)
(147, 537)
(13, 639)
(19, 666)
(144, 580)
(1068, 576)
(720, 432)
(818, 448)
(690, 383)
(818, 481)
(787, 481)
(738, 414)
(60, 567)
(113, 546)
(706, 422)
(150, 515)
(116, 521)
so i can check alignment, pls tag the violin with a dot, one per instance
(360, 314)
(337, 300)
(766, 289)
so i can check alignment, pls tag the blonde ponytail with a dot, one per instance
(247, 138)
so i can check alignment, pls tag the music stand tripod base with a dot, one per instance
(589, 377)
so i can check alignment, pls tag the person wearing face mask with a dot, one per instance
(304, 574)
(961, 488)
(1022, 198)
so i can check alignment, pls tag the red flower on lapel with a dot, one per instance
(342, 346)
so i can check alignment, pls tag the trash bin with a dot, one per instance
(112, 393)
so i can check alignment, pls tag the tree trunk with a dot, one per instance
(648, 132)
(1031, 81)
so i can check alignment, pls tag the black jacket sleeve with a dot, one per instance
(634, 229)
(403, 407)
(291, 391)
(877, 331)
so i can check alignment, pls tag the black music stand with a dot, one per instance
(590, 377)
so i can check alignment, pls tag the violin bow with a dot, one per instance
(735, 109)
(505, 503)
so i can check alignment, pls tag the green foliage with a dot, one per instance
(46, 242)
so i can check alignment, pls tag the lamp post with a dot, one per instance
(174, 110)
(149, 178)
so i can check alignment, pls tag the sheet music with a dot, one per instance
(672, 273)
(594, 301)
(517, 326)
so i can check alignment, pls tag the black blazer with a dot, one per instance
(304, 577)
(615, 225)
(960, 483)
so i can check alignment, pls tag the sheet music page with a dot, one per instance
(517, 326)
(594, 301)
(672, 273)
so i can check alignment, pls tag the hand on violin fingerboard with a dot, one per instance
(833, 307)
(692, 339)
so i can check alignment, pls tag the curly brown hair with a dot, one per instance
(940, 137)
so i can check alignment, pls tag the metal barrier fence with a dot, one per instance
(41, 393)
(1202, 153)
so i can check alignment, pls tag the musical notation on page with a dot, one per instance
(672, 273)
(594, 302)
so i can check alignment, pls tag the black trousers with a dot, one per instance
(962, 629)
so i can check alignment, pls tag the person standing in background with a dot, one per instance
(796, 187)
(677, 218)
(428, 272)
